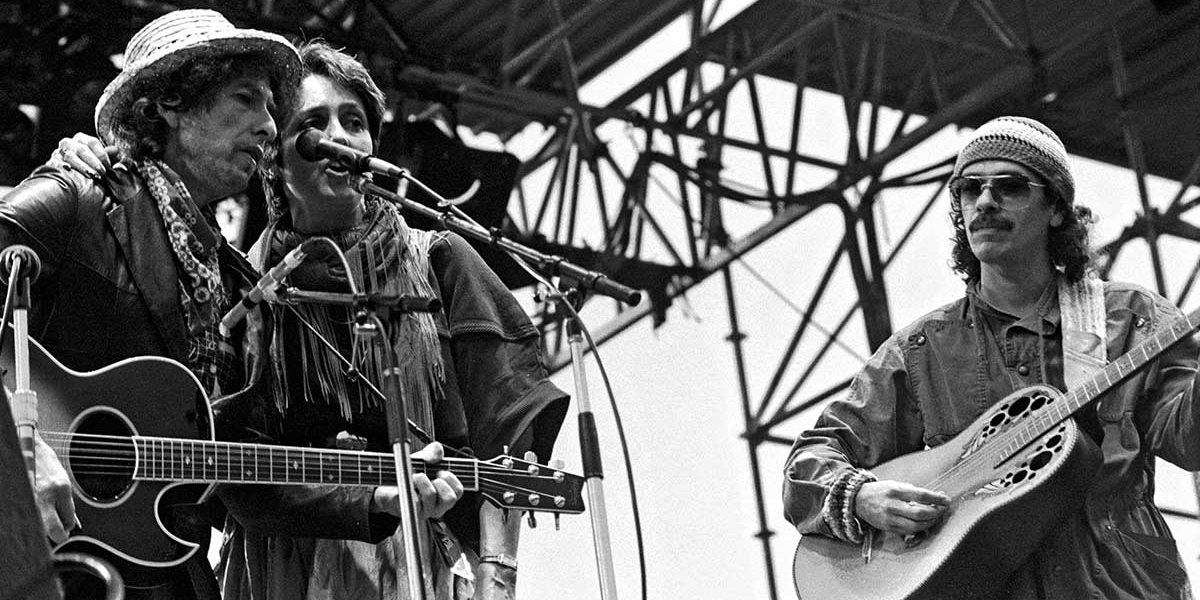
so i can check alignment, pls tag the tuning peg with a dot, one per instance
(531, 457)
(532, 519)
(557, 466)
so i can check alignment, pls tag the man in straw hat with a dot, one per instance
(1033, 313)
(133, 262)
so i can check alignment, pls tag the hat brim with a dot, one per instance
(284, 61)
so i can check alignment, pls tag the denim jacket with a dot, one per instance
(930, 380)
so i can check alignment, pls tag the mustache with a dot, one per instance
(990, 221)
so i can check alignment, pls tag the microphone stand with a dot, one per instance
(368, 324)
(25, 402)
(586, 281)
(589, 450)
(593, 281)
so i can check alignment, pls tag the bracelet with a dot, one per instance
(832, 510)
(500, 559)
(852, 526)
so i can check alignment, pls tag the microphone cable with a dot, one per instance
(554, 292)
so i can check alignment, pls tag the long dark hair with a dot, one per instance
(1068, 243)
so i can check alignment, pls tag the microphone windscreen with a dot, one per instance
(308, 144)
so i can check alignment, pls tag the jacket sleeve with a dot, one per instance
(308, 511)
(497, 358)
(1167, 411)
(875, 422)
(41, 211)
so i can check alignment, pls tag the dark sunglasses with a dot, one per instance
(1007, 188)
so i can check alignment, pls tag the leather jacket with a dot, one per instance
(108, 290)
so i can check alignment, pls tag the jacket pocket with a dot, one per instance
(1156, 557)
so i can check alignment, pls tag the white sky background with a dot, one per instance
(677, 388)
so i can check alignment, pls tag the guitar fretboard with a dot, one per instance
(166, 459)
(1112, 374)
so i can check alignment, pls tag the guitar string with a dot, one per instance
(484, 484)
(122, 448)
(126, 447)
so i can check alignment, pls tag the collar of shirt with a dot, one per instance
(1047, 310)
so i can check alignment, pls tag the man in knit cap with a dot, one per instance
(1032, 313)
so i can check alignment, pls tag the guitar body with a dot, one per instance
(1000, 510)
(163, 399)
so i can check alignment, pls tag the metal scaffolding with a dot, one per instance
(1117, 80)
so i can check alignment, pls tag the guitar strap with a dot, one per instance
(1081, 305)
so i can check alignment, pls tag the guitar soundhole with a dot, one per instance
(101, 456)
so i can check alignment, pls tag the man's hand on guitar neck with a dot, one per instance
(52, 489)
(899, 507)
(434, 496)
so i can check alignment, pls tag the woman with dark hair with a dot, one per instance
(471, 373)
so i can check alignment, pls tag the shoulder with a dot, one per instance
(53, 197)
(951, 311)
(1122, 297)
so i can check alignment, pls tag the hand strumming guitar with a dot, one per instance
(899, 507)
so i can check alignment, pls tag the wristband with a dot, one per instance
(500, 559)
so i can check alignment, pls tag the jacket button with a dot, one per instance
(1023, 370)
(1140, 322)
(921, 339)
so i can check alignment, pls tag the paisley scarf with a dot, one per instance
(194, 242)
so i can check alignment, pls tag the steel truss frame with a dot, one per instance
(662, 219)
(681, 231)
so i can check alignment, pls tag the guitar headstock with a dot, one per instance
(518, 484)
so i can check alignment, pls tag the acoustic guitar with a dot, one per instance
(136, 439)
(1013, 474)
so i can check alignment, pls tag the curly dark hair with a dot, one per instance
(140, 128)
(1068, 243)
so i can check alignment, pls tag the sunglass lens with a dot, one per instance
(966, 189)
(1010, 187)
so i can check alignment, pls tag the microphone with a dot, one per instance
(23, 258)
(313, 145)
(266, 286)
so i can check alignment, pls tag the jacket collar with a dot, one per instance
(138, 228)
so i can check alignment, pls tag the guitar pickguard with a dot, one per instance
(1036, 459)
(1007, 414)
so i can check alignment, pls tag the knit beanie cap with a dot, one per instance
(1026, 142)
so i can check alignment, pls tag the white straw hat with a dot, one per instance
(167, 42)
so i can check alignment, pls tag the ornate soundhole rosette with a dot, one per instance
(1006, 414)
(1034, 462)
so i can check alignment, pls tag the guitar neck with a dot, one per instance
(203, 461)
(1107, 377)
